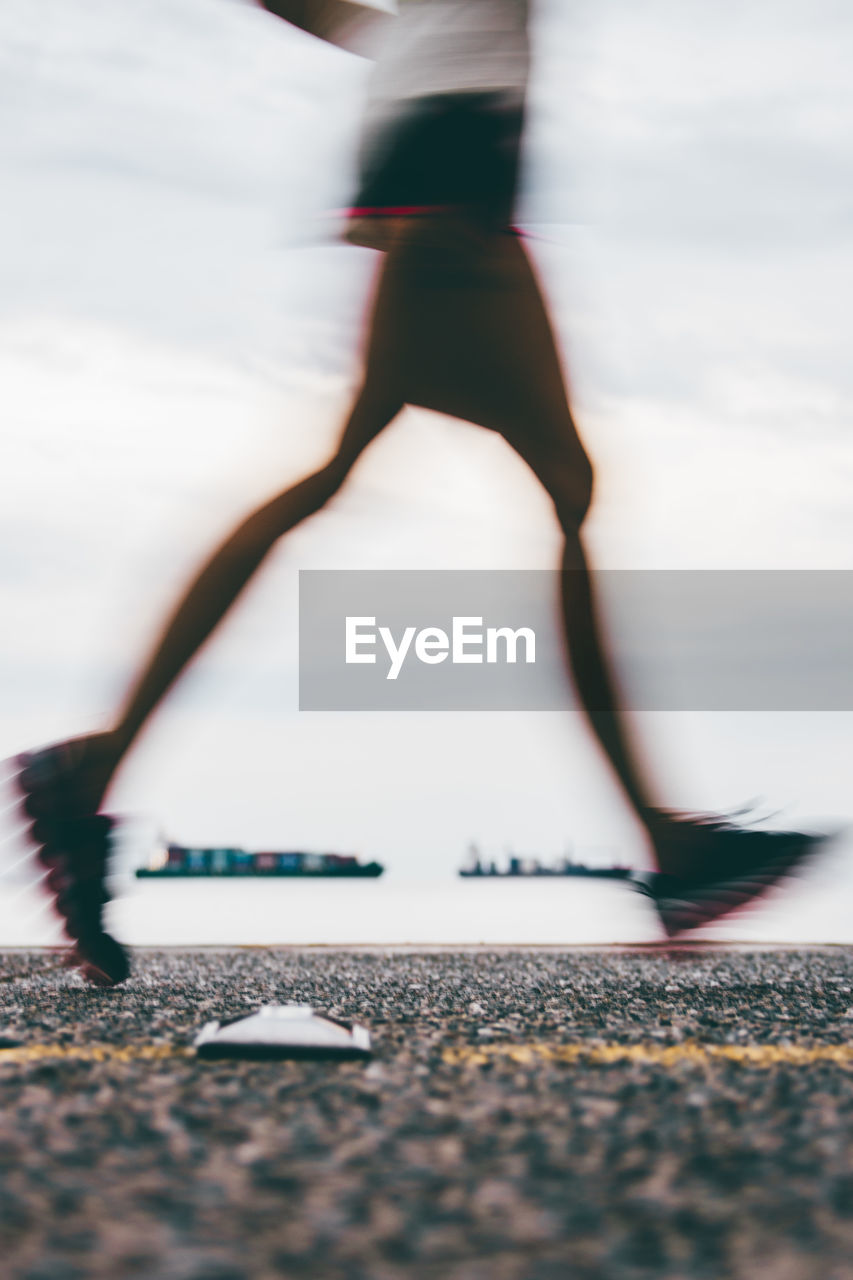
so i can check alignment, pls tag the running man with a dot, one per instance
(459, 326)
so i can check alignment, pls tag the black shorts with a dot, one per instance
(444, 152)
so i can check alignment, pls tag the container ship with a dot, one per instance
(171, 861)
(516, 867)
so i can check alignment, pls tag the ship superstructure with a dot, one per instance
(515, 866)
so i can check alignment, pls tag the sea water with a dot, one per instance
(395, 910)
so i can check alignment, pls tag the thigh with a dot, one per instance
(459, 325)
(510, 379)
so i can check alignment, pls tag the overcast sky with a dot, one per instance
(178, 339)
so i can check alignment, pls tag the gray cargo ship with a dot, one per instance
(517, 867)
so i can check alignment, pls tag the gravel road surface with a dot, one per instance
(526, 1115)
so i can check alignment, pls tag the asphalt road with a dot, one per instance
(527, 1115)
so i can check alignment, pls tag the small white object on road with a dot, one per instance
(283, 1031)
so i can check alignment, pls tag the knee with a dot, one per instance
(266, 525)
(571, 491)
(312, 493)
(323, 484)
(329, 479)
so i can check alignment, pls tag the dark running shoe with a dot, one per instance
(66, 780)
(76, 854)
(101, 960)
(74, 848)
(735, 865)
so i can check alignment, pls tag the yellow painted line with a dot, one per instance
(93, 1053)
(531, 1054)
(664, 1055)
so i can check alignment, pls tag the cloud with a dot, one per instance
(179, 333)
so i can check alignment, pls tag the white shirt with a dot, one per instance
(452, 46)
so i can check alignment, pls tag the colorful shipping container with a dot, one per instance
(175, 860)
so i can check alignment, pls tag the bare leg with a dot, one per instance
(218, 585)
(558, 460)
(593, 678)
(473, 340)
